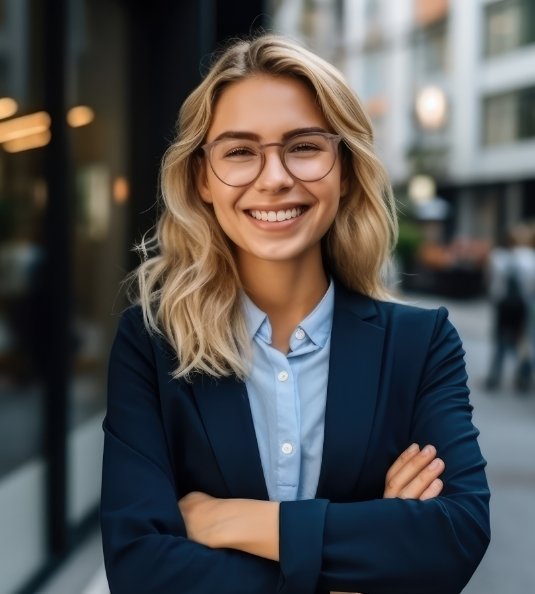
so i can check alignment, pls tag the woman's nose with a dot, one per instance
(273, 177)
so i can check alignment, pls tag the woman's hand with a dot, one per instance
(244, 524)
(204, 518)
(414, 475)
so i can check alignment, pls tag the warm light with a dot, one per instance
(24, 126)
(8, 107)
(81, 115)
(26, 143)
(121, 190)
(431, 107)
(422, 189)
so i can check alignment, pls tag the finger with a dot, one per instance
(189, 501)
(434, 490)
(401, 460)
(423, 480)
(397, 482)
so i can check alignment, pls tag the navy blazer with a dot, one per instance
(396, 376)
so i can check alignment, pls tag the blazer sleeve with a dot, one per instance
(395, 546)
(145, 546)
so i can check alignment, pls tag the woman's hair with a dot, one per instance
(188, 284)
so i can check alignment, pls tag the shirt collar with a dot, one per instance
(254, 317)
(317, 325)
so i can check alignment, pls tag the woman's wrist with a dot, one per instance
(251, 526)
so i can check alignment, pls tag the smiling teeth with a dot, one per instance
(276, 215)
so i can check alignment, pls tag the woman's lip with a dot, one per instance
(277, 207)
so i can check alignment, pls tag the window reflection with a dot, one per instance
(22, 295)
(97, 135)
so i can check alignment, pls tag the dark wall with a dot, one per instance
(169, 40)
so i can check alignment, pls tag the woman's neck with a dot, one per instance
(286, 291)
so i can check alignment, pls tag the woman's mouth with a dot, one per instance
(276, 216)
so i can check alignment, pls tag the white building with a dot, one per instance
(474, 129)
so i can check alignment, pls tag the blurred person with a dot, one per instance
(268, 402)
(511, 288)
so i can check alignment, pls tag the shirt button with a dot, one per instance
(282, 376)
(300, 334)
(287, 448)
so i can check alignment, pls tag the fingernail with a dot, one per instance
(436, 464)
(437, 484)
(413, 448)
(429, 449)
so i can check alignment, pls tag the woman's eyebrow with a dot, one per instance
(311, 130)
(241, 134)
(236, 134)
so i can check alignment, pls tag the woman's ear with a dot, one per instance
(202, 182)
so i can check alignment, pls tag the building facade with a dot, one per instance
(449, 85)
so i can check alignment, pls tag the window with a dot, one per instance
(509, 24)
(509, 117)
(431, 48)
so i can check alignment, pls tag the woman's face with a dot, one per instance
(270, 110)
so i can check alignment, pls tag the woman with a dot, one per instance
(263, 389)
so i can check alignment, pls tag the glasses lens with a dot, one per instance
(236, 162)
(309, 157)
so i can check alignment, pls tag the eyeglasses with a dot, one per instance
(306, 157)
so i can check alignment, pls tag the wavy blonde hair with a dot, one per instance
(188, 284)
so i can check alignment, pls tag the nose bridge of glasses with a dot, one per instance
(277, 157)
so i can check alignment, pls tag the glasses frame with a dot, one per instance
(334, 139)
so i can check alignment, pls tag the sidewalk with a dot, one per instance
(83, 572)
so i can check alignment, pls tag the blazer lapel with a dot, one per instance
(224, 406)
(354, 373)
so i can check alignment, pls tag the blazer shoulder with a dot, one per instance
(403, 319)
(383, 312)
(415, 324)
(386, 310)
(403, 309)
(131, 321)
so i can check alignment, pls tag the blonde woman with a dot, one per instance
(274, 422)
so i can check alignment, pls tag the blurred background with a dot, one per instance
(89, 94)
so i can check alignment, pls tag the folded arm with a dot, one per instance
(252, 526)
(146, 548)
(428, 541)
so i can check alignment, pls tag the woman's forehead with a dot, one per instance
(266, 105)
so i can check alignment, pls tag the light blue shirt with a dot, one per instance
(287, 395)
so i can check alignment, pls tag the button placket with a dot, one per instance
(286, 452)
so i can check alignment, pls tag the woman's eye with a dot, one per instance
(240, 151)
(304, 147)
